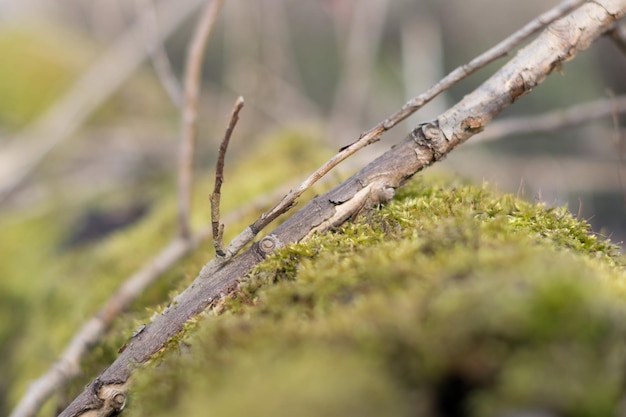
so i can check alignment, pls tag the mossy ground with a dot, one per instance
(451, 300)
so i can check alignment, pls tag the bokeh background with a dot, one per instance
(89, 132)
(337, 66)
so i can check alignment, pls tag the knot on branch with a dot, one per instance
(431, 136)
(383, 194)
(111, 398)
(267, 245)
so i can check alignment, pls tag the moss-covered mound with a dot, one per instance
(450, 301)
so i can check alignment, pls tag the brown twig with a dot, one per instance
(193, 76)
(218, 229)
(374, 134)
(158, 55)
(553, 121)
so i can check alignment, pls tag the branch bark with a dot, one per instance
(374, 184)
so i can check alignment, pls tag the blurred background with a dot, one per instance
(84, 107)
(90, 124)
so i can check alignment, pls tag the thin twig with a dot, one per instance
(158, 54)
(552, 121)
(374, 134)
(25, 152)
(618, 35)
(193, 76)
(218, 229)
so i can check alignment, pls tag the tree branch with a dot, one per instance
(193, 77)
(218, 229)
(373, 184)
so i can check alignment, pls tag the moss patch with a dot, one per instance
(449, 301)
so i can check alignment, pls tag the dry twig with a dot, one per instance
(193, 77)
(218, 229)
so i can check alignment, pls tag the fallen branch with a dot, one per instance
(193, 77)
(373, 184)
(218, 229)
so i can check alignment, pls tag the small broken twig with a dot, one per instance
(193, 76)
(218, 229)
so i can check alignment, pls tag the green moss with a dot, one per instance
(450, 300)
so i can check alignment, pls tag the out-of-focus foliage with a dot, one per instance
(38, 63)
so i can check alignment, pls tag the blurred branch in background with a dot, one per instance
(552, 121)
(26, 151)
(158, 55)
(618, 34)
(422, 60)
(360, 34)
(192, 82)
